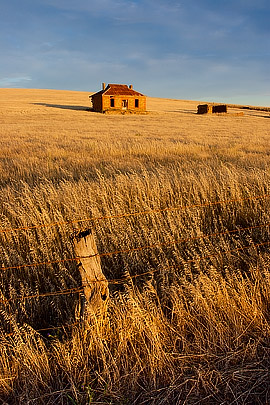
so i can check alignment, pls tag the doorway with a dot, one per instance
(124, 104)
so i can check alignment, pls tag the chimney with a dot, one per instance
(131, 87)
(103, 86)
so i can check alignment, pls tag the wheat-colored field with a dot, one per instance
(185, 199)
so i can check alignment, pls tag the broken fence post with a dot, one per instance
(95, 285)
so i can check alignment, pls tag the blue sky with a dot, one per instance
(211, 50)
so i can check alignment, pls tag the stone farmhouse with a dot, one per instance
(115, 98)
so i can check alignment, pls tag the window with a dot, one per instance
(136, 102)
(112, 102)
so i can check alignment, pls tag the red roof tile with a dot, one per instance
(118, 89)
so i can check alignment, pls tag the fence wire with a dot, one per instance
(139, 248)
(132, 250)
(136, 213)
(131, 277)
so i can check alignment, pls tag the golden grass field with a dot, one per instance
(195, 329)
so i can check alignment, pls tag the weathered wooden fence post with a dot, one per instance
(95, 285)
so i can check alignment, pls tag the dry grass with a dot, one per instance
(197, 329)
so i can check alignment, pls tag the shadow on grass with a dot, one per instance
(65, 107)
(183, 111)
(251, 114)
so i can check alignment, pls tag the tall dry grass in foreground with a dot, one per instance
(195, 329)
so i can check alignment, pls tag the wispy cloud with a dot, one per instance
(14, 81)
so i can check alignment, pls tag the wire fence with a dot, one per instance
(115, 281)
(140, 248)
(130, 277)
(136, 213)
(124, 279)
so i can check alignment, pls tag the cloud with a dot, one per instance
(95, 7)
(14, 81)
(167, 48)
(118, 11)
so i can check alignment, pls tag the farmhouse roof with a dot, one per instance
(118, 89)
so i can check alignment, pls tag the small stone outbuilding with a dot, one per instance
(118, 98)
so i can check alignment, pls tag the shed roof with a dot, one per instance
(118, 89)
